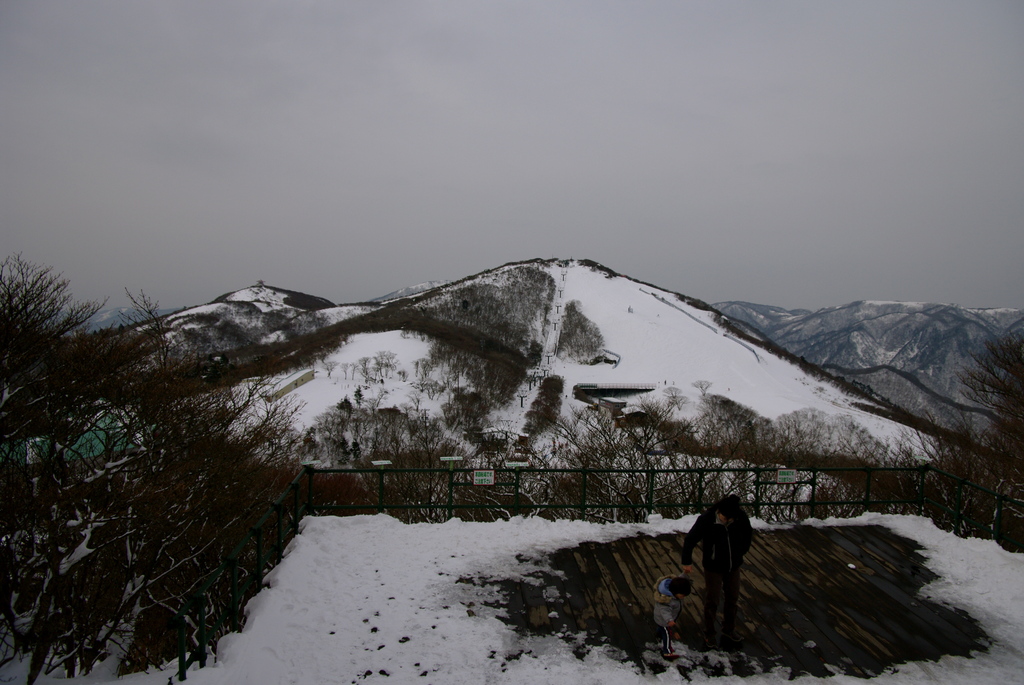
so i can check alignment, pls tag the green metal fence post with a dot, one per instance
(958, 517)
(757, 491)
(997, 527)
(201, 648)
(515, 508)
(298, 510)
(235, 600)
(583, 497)
(650, 492)
(280, 532)
(380, 491)
(814, 490)
(451, 491)
(867, 489)
(182, 657)
(921, 490)
(258, 532)
(310, 509)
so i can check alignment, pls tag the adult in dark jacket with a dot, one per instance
(726, 533)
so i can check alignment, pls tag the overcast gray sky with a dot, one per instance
(802, 154)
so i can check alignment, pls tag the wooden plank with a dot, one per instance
(515, 607)
(574, 601)
(605, 586)
(815, 586)
(813, 620)
(905, 556)
(536, 608)
(776, 628)
(890, 554)
(631, 602)
(801, 605)
(928, 630)
(564, 621)
(575, 566)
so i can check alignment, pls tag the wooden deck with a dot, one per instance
(802, 607)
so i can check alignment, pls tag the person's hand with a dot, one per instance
(688, 569)
(671, 624)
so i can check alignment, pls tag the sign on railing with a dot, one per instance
(785, 476)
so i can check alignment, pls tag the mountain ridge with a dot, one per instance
(503, 329)
(912, 353)
(908, 353)
(506, 325)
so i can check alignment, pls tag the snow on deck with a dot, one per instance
(368, 599)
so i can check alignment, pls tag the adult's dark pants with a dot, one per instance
(717, 584)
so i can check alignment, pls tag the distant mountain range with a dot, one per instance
(907, 352)
(115, 316)
(410, 291)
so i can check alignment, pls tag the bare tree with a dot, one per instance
(702, 386)
(648, 439)
(384, 363)
(997, 383)
(37, 311)
(728, 429)
(145, 317)
(676, 398)
(365, 367)
(580, 338)
(121, 472)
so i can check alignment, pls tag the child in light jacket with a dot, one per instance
(669, 593)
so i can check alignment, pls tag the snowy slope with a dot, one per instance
(409, 291)
(663, 340)
(267, 299)
(276, 298)
(322, 392)
(658, 338)
(259, 314)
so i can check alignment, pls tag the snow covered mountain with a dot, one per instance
(114, 317)
(911, 353)
(488, 340)
(270, 298)
(409, 291)
(256, 315)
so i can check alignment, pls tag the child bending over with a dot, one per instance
(669, 593)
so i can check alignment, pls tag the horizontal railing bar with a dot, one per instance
(1016, 543)
(749, 469)
(576, 505)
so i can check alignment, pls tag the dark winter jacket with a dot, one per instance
(724, 545)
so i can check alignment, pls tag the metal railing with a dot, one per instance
(216, 608)
(589, 494)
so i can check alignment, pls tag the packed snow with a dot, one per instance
(370, 599)
(212, 308)
(325, 391)
(267, 299)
